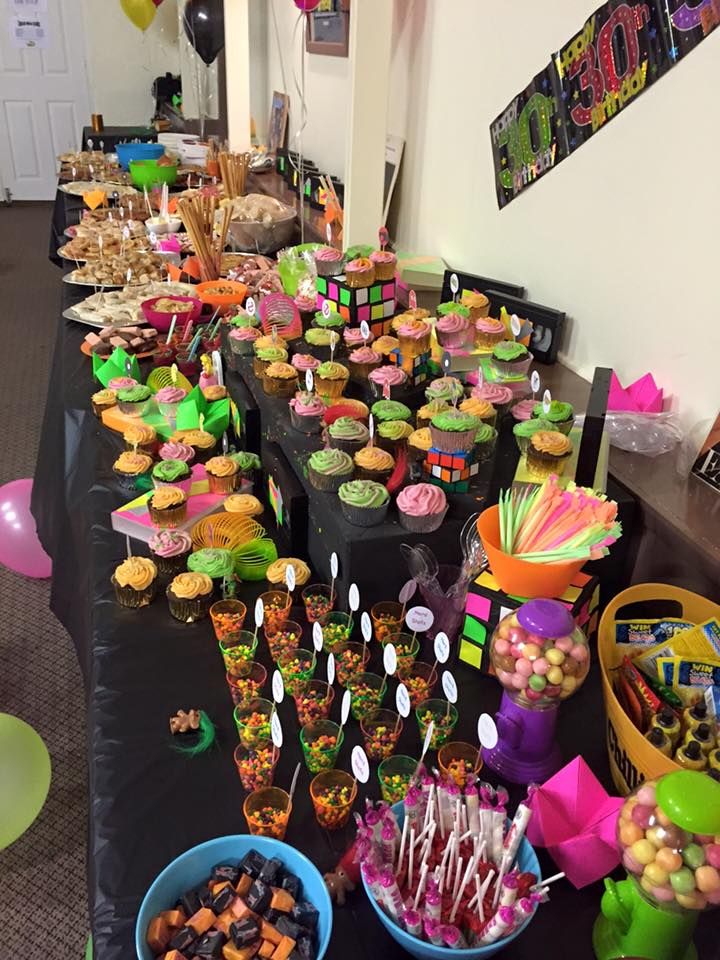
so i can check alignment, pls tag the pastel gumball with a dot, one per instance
(683, 880)
(707, 879)
(541, 666)
(663, 894)
(675, 838)
(655, 874)
(553, 690)
(627, 808)
(533, 695)
(693, 856)
(524, 667)
(644, 852)
(554, 656)
(516, 650)
(536, 640)
(579, 652)
(704, 838)
(532, 651)
(669, 860)
(555, 676)
(568, 685)
(502, 647)
(712, 854)
(631, 864)
(505, 678)
(642, 815)
(713, 897)
(656, 836)
(570, 667)
(519, 681)
(662, 818)
(517, 635)
(646, 795)
(692, 901)
(646, 885)
(630, 833)
(564, 643)
(537, 683)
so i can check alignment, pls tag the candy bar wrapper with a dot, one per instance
(692, 679)
(636, 636)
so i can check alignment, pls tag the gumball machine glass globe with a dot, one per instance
(539, 654)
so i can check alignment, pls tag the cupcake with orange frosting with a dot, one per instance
(414, 337)
(190, 596)
(330, 379)
(476, 302)
(135, 582)
(480, 408)
(280, 379)
(386, 344)
(243, 505)
(167, 506)
(103, 400)
(385, 264)
(202, 442)
(223, 474)
(428, 411)
(215, 392)
(373, 463)
(359, 273)
(547, 452)
(141, 437)
(419, 442)
(131, 467)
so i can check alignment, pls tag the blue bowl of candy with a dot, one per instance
(526, 861)
(192, 868)
(138, 151)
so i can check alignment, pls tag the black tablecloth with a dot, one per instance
(111, 136)
(147, 803)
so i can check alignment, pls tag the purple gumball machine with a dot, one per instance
(540, 657)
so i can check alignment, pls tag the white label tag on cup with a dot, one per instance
(359, 764)
(402, 700)
(419, 619)
(365, 330)
(250, 307)
(547, 400)
(407, 591)
(534, 381)
(454, 283)
(290, 577)
(317, 635)
(326, 311)
(328, 232)
(276, 730)
(487, 731)
(259, 612)
(345, 707)
(449, 686)
(515, 325)
(428, 737)
(354, 597)
(442, 647)
(278, 687)
(334, 565)
(371, 426)
(309, 381)
(331, 669)
(366, 626)
(390, 659)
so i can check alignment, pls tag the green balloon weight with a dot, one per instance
(24, 777)
(691, 800)
(139, 12)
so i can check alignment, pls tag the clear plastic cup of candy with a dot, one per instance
(395, 775)
(283, 638)
(228, 617)
(407, 648)
(420, 680)
(267, 812)
(458, 761)
(297, 667)
(238, 651)
(350, 659)
(313, 701)
(387, 617)
(321, 742)
(381, 733)
(256, 765)
(333, 794)
(252, 720)
(277, 605)
(368, 690)
(247, 682)
(444, 717)
(319, 600)
(337, 629)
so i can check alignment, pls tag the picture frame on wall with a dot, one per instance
(277, 128)
(328, 29)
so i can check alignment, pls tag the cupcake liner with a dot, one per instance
(308, 424)
(170, 566)
(422, 524)
(149, 448)
(477, 313)
(129, 597)
(202, 456)
(456, 340)
(357, 279)
(170, 518)
(330, 268)
(410, 347)
(364, 516)
(415, 454)
(565, 426)
(518, 368)
(99, 407)
(487, 341)
(385, 271)
(188, 611)
(484, 451)
(349, 446)
(380, 476)
(259, 367)
(327, 483)
(330, 388)
(133, 409)
(450, 441)
(321, 353)
(128, 481)
(168, 410)
(540, 466)
(279, 386)
(183, 485)
(222, 484)
(392, 446)
(361, 371)
(523, 443)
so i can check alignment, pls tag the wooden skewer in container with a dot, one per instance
(233, 172)
(198, 214)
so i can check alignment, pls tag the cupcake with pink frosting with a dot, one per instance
(306, 412)
(392, 376)
(488, 332)
(523, 409)
(305, 361)
(328, 261)
(170, 550)
(453, 331)
(307, 306)
(169, 399)
(385, 264)
(174, 450)
(414, 337)
(362, 362)
(241, 340)
(122, 383)
(499, 396)
(353, 337)
(422, 507)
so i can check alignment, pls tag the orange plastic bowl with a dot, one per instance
(204, 291)
(521, 578)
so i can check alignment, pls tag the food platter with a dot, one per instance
(77, 188)
(85, 349)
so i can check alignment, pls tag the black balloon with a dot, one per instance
(205, 27)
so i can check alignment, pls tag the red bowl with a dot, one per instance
(161, 320)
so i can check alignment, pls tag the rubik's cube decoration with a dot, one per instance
(487, 604)
(416, 368)
(375, 304)
(451, 471)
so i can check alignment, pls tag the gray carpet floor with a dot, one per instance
(39, 677)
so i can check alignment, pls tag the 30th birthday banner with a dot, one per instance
(621, 50)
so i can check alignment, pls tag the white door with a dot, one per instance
(44, 101)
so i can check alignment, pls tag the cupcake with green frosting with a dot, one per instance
(390, 410)
(561, 415)
(327, 469)
(511, 359)
(445, 309)
(332, 322)
(454, 431)
(134, 401)
(485, 440)
(525, 429)
(264, 356)
(330, 379)
(172, 473)
(364, 503)
(391, 435)
(347, 434)
(428, 411)
(247, 462)
(448, 389)
(216, 562)
(318, 342)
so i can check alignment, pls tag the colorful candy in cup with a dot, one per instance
(283, 638)
(336, 629)
(381, 733)
(350, 660)
(297, 667)
(333, 794)
(321, 742)
(458, 761)
(395, 775)
(247, 683)
(319, 601)
(228, 617)
(238, 651)
(277, 605)
(313, 701)
(443, 716)
(420, 679)
(407, 648)
(387, 618)
(267, 812)
(253, 721)
(256, 766)
(368, 690)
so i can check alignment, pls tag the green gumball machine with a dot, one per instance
(669, 837)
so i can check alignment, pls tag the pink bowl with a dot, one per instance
(161, 320)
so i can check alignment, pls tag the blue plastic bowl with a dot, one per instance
(138, 151)
(527, 862)
(194, 866)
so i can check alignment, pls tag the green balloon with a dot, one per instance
(691, 799)
(24, 777)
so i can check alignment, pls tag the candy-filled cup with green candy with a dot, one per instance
(319, 599)
(407, 648)
(350, 660)
(443, 715)
(395, 775)
(256, 765)
(458, 761)
(420, 680)
(253, 721)
(276, 605)
(267, 812)
(297, 667)
(368, 690)
(337, 628)
(238, 651)
(247, 682)
(283, 638)
(313, 700)
(321, 742)
(387, 617)
(333, 794)
(381, 733)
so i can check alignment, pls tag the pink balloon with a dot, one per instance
(306, 5)
(157, 2)
(20, 549)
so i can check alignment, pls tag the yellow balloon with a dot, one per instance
(139, 12)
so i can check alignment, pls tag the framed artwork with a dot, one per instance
(329, 28)
(707, 465)
(277, 128)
